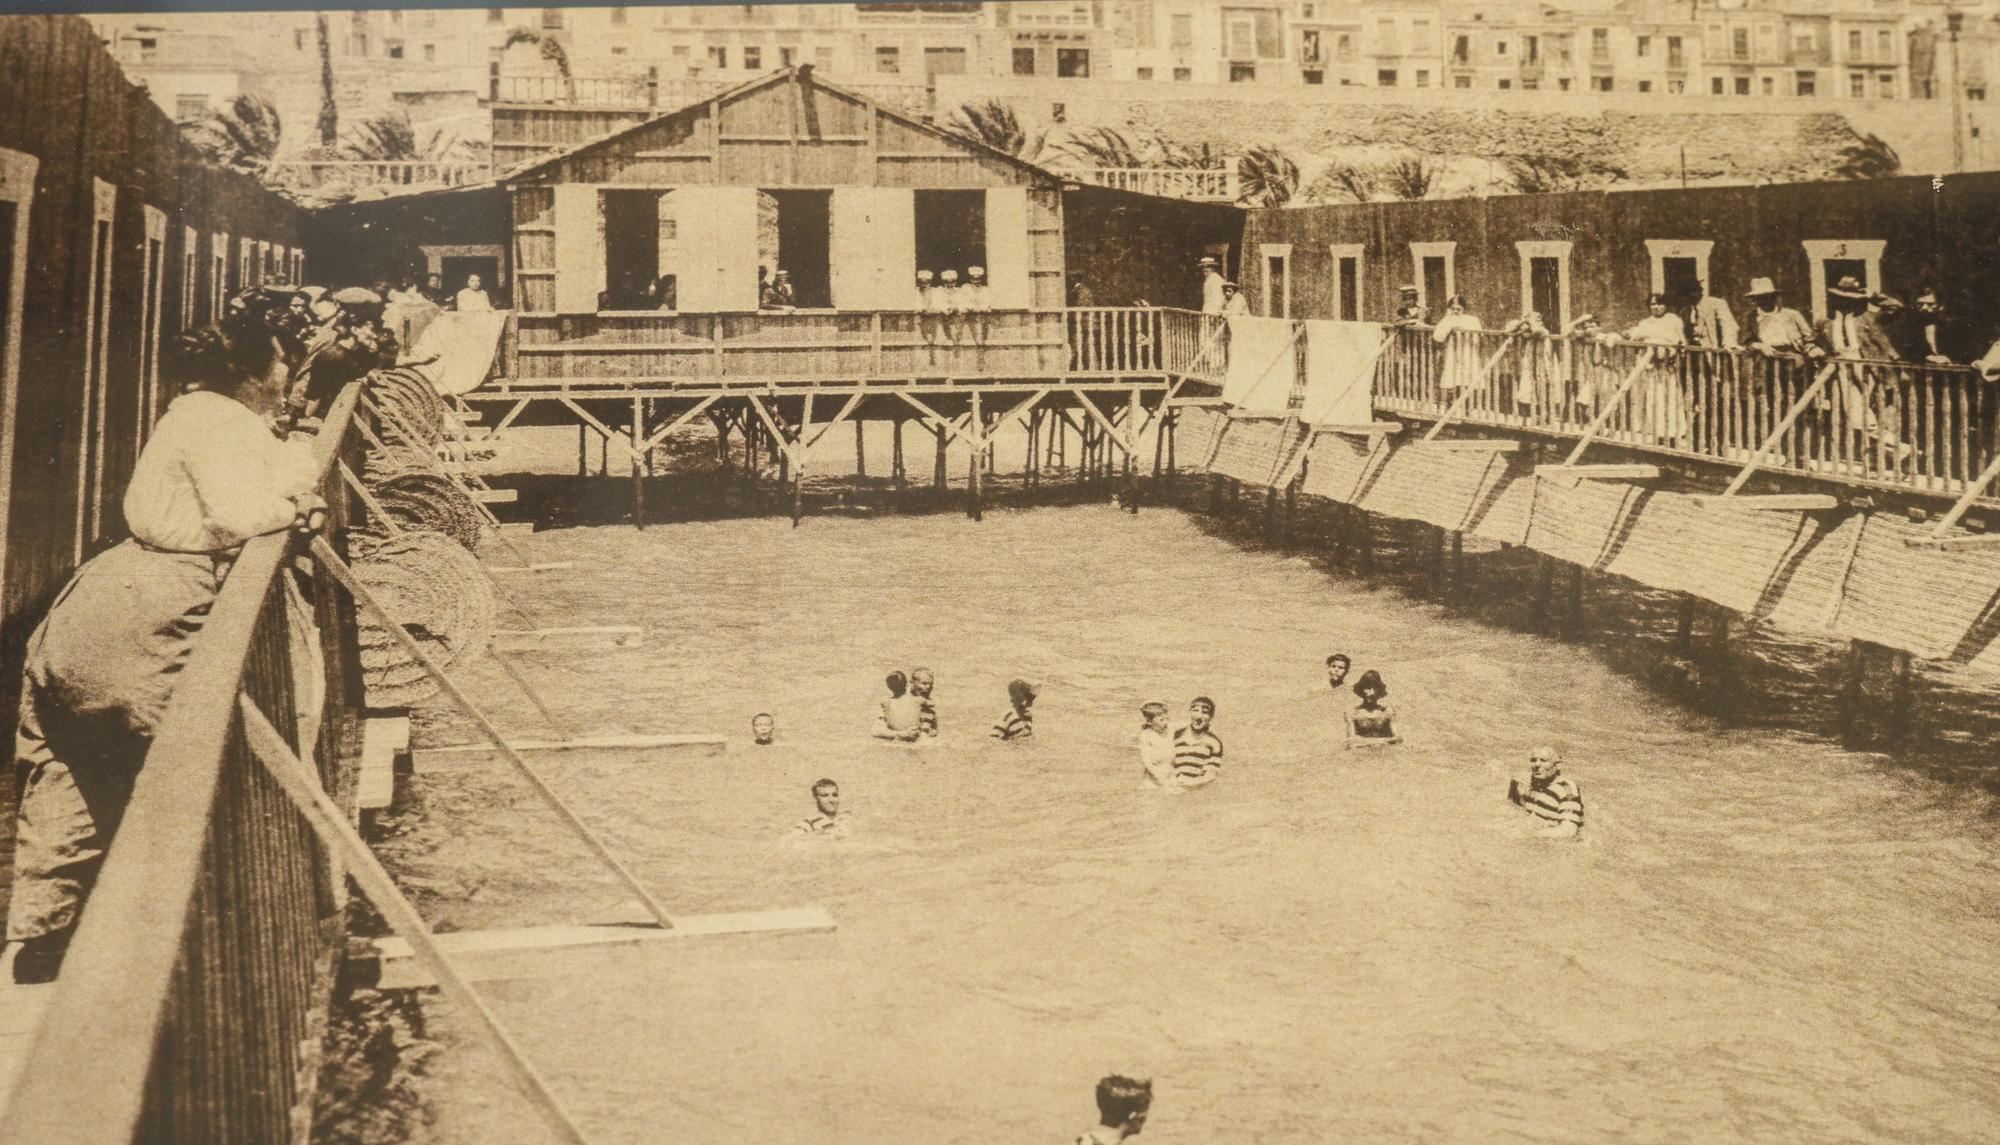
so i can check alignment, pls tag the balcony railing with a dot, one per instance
(1205, 184)
(360, 174)
(910, 96)
(1927, 429)
(190, 1003)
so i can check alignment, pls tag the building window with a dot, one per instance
(1385, 77)
(1600, 83)
(1180, 31)
(1183, 75)
(1739, 43)
(394, 49)
(552, 19)
(1674, 58)
(1242, 73)
(1600, 43)
(1645, 86)
(719, 56)
(1144, 73)
(1806, 83)
(1804, 42)
(1857, 85)
(1305, 11)
(1316, 76)
(1742, 85)
(823, 57)
(1885, 47)
(149, 49)
(1024, 61)
(1461, 49)
(190, 105)
(1436, 273)
(1885, 85)
(618, 49)
(1562, 83)
(951, 230)
(1976, 94)
(788, 57)
(1853, 44)
(1676, 87)
(96, 372)
(1506, 85)
(1545, 280)
(1423, 78)
(1461, 81)
(1073, 63)
(888, 61)
(1769, 84)
(1309, 47)
(753, 58)
(1715, 85)
(190, 244)
(1253, 34)
(1645, 46)
(1499, 47)
(1277, 279)
(1531, 49)
(1343, 46)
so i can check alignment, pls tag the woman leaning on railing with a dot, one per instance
(102, 665)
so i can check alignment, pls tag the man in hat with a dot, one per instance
(1211, 285)
(1849, 331)
(974, 289)
(946, 294)
(777, 293)
(1233, 301)
(1774, 328)
(1409, 312)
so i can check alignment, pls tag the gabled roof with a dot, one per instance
(803, 73)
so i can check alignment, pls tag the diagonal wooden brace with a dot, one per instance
(1783, 427)
(1465, 395)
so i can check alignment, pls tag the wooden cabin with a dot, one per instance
(638, 257)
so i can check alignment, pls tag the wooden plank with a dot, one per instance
(618, 635)
(1793, 502)
(1599, 472)
(1470, 445)
(383, 738)
(496, 496)
(1961, 541)
(551, 566)
(543, 951)
(1367, 429)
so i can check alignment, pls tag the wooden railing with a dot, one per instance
(1928, 429)
(315, 174)
(189, 1007)
(624, 349)
(1206, 184)
(912, 96)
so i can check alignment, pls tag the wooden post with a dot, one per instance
(1573, 614)
(582, 451)
(1901, 719)
(1291, 512)
(1367, 541)
(1538, 603)
(938, 476)
(1458, 566)
(1852, 692)
(1270, 513)
(1034, 437)
(896, 453)
(638, 471)
(860, 449)
(977, 426)
(799, 470)
(1133, 416)
(1684, 631)
(1172, 425)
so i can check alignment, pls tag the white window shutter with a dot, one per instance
(1009, 249)
(579, 248)
(716, 235)
(893, 232)
(850, 250)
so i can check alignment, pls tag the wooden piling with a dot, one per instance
(896, 453)
(860, 449)
(1538, 602)
(1458, 566)
(1684, 630)
(1902, 720)
(1853, 690)
(638, 470)
(1367, 528)
(978, 425)
(582, 451)
(938, 476)
(1573, 613)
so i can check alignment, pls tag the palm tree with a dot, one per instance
(392, 139)
(1187, 156)
(1868, 157)
(329, 111)
(1410, 176)
(1545, 173)
(992, 123)
(1266, 177)
(1343, 183)
(551, 49)
(243, 136)
(1102, 147)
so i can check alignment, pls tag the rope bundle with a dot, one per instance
(428, 502)
(412, 413)
(438, 591)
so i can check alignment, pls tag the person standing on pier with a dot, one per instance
(1211, 285)
(1197, 749)
(1548, 795)
(1122, 1105)
(1233, 302)
(1018, 721)
(473, 298)
(922, 683)
(1710, 321)
(102, 665)
(1409, 312)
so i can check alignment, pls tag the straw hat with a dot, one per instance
(1848, 287)
(923, 276)
(975, 272)
(948, 276)
(1208, 260)
(1759, 286)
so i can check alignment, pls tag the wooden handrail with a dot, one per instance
(85, 1080)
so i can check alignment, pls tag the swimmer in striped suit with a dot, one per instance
(1549, 795)
(1018, 721)
(1197, 749)
(921, 683)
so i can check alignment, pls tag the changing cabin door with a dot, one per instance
(579, 218)
(873, 249)
(1009, 249)
(715, 248)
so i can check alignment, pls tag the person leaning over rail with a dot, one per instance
(1548, 795)
(102, 665)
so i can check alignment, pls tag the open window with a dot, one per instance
(190, 262)
(794, 234)
(218, 276)
(96, 371)
(1277, 279)
(17, 195)
(1831, 260)
(951, 231)
(1437, 277)
(1545, 281)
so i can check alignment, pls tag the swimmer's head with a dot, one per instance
(826, 793)
(921, 681)
(1123, 1102)
(1155, 715)
(1336, 668)
(1370, 686)
(762, 727)
(1021, 693)
(1544, 763)
(1201, 709)
(898, 683)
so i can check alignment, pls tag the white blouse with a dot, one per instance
(213, 475)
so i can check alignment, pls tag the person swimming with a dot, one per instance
(1337, 667)
(829, 820)
(1548, 795)
(1018, 721)
(763, 729)
(1372, 722)
(921, 684)
(1156, 746)
(901, 713)
(1197, 749)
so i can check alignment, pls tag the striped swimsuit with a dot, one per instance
(1014, 725)
(1196, 754)
(1559, 802)
(926, 716)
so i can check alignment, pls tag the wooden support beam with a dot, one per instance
(383, 738)
(1468, 445)
(784, 445)
(1942, 530)
(700, 408)
(604, 433)
(547, 951)
(1362, 429)
(1961, 541)
(1783, 427)
(507, 420)
(1606, 408)
(1776, 502)
(1598, 472)
(550, 566)
(496, 496)
(799, 463)
(954, 428)
(1465, 395)
(978, 441)
(1110, 427)
(826, 427)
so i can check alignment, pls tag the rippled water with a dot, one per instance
(1763, 938)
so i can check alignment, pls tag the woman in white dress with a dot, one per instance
(1662, 407)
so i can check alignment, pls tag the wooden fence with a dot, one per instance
(189, 1007)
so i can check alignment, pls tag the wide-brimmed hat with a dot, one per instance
(923, 276)
(975, 272)
(1760, 286)
(1208, 260)
(1228, 285)
(1406, 288)
(1848, 287)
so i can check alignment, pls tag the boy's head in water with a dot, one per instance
(1200, 711)
(762, 728)
(1336, 668)
(1155, 715)
(898, 684)
(826, 794)
(921, 681)
(1021, 694)
(1122, 1104)
(1544, 764)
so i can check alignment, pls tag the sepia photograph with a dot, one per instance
(1061, 571)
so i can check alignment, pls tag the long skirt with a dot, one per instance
(100, 671)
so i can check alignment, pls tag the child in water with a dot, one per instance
(921, 683)
(763, 729)
(1122, 1105)
(1371, 723)
(1156, 747)
(901, 712)
(1018, 721)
